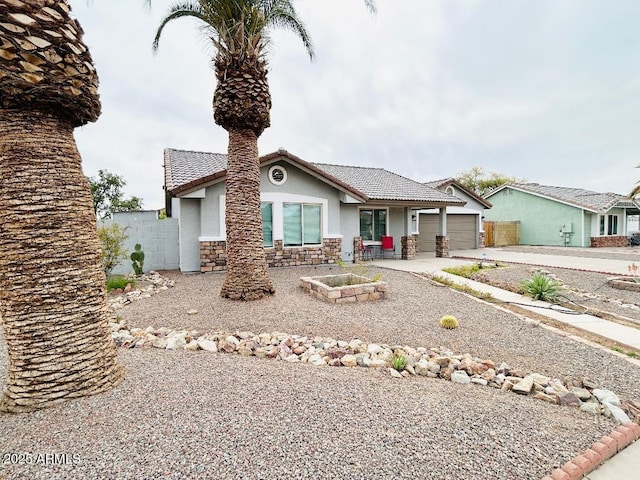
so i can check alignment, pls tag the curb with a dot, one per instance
(601, 451)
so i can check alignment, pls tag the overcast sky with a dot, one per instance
(546, 90)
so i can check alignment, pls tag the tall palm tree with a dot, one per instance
(241, 103)
(238, 30)
(53, 306)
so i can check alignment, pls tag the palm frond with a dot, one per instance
(179, 10)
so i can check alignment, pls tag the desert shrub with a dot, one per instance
(541, 287)
(466, 271)
(360, 269)
(398, 361)
(117, 281)
(449, 322)
(112, 238)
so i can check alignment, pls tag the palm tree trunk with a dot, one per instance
(247, 277)
(52, 287)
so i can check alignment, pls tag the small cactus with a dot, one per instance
(449, 322)
(137, 259)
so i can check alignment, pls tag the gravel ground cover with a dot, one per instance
(186, 414)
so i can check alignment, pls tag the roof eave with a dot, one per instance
(193, 185)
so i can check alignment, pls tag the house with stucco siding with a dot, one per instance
(312, 213)
(563, 216)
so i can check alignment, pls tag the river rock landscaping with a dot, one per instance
(428, 362)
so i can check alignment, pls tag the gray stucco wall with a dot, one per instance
(189, 218)
(211, 211)
(158, 238)
(301, 183)
(350, 222)
(397, 227)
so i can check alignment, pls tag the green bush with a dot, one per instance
(465, 271)
(112, 238)
(398, 361)
(541, 287)
(117, 281)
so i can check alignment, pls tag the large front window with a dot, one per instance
(302, 224)
(608, 225)
(373, 224)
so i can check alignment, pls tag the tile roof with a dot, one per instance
(381, 184)
(438, 183)
(587, 199)
(185, 170)
(183, 167)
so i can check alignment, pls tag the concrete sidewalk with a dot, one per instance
(624, 465)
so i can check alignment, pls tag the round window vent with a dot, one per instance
(449, 190)
(277, 175)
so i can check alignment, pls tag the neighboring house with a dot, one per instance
(312, 213)
(464, 224)
(563, 216)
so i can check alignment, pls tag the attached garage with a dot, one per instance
(462, 230)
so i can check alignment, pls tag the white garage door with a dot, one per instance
(462, 231)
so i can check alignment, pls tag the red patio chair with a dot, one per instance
(388, 248)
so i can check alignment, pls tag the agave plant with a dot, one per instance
(541, 287)
(398, 361)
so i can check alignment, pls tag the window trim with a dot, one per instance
(386, 226)
(302, 242)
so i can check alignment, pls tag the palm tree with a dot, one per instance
(239, 30)
(52, 288)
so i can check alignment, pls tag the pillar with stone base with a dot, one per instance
(409, 247)
(442, 246)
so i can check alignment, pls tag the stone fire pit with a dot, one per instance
(344, 288)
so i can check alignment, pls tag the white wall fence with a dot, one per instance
(158, 238)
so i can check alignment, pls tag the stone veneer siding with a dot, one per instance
(213, 254)
(442, 246)
(614, 241)
(409, 247)
(481, 240)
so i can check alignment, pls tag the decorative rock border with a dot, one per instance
(428, 362)
(601, 451)
(357, 288)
